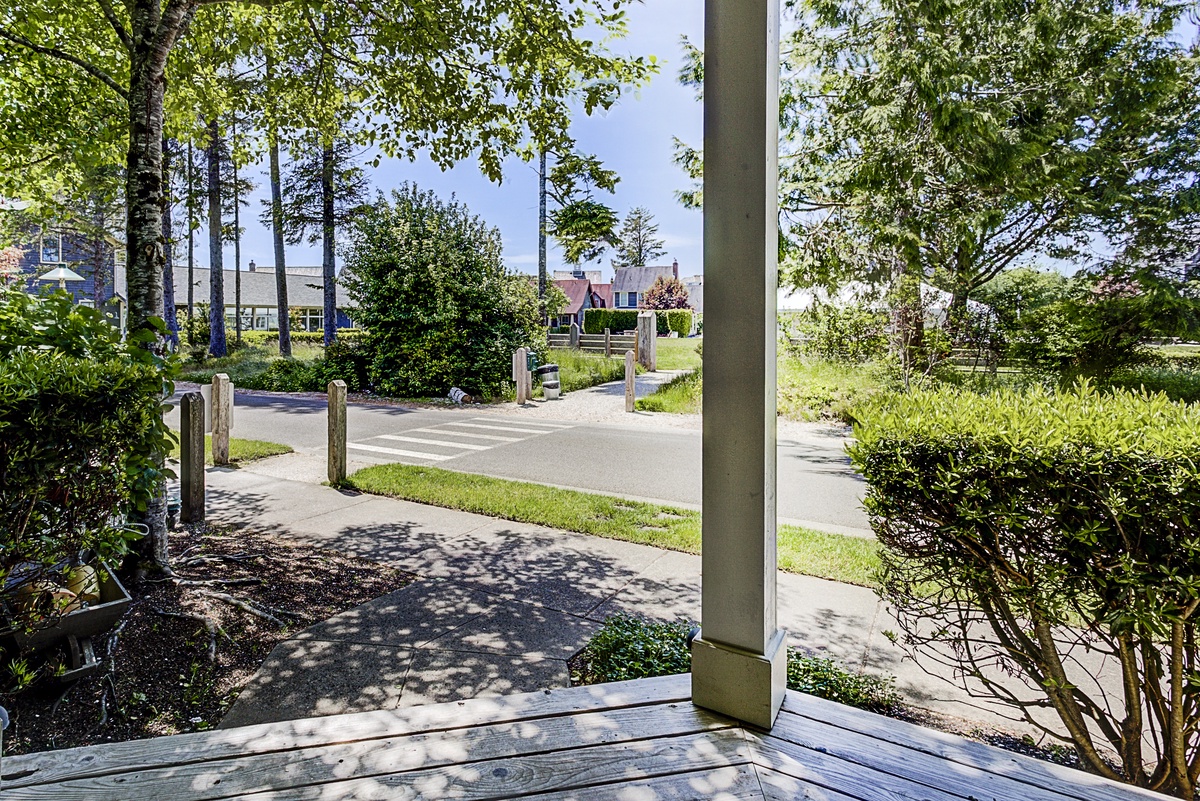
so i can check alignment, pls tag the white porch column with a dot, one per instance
(739, 659)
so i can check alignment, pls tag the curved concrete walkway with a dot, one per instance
(499, 607)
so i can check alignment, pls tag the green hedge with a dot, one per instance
(1061, 521)
(596, 320)
(256, 338)
(80, 429)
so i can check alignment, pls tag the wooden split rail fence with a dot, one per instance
(608, 343)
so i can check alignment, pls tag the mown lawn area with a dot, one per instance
(240, 450)
(853, 560)
(679, 354)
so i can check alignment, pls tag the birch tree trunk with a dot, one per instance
(327, 232)
(237, 241)
(542, 233)
(216, 260)
(191, 220)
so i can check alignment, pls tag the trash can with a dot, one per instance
(550, 385)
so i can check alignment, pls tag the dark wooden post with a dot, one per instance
(608, 343)
(336, 393)
(191, 458)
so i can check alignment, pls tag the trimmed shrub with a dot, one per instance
(81, 429)
(629, 647)
(1060, 522)
(260, 338)
(596, 320)
(677, 320)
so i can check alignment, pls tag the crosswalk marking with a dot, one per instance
(465, 434)
(469, 446)
(501, 428)
(397, 452)
(526, 423)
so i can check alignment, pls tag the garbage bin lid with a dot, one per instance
(547, 368)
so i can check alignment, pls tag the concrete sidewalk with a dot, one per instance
(499, 606)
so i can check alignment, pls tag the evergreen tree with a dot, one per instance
(637, 241)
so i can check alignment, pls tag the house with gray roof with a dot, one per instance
(630, 283)
(306, 299)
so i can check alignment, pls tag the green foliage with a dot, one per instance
(583, 228)
(596, 320)
(683, 394)
(439, 308)
(1061, 521)
(579, 370)
(666, 293)
(629, 647)
(260, 338)
(812, 389)
(845, 333)
(637, 243)
(81, 434)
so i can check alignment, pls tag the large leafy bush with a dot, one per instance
(81, 431)
(1042, 534)
(439, 308)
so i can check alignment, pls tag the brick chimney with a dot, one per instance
(675, 268)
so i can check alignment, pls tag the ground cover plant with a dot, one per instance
(681, 395)
(833, 556)
(629, 647)
(679, 354)
(579, 370)
(1023, 528)
(178, 658)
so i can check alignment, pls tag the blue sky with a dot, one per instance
(634, 138)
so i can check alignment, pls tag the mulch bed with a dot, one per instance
(180, 656)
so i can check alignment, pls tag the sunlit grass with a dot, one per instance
(240, 450)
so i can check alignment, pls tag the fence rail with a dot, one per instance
(608, 344)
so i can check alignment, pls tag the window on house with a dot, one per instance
(312, 320)
(633, 299)
(51, 246)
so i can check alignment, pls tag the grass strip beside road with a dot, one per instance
(240, 450)
(837, 557)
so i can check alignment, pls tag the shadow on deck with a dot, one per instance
(640, 740)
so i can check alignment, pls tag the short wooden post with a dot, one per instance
(222, 417)
(191, 458)
(647, 340)
(630, 377)
(575, 336)
(520, 371)
(336, 393)
(608, 343)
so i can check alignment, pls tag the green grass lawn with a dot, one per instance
(580, 370)
(681, 395)
(678, 354)
(240, 450)
(833, 556)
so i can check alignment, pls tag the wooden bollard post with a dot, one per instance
(574, 336)
(647, 340)
(608, 343)
(521, 370)
(630, 374)
(336, 393)
(222, 417)
(191, 458)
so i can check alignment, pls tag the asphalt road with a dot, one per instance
(816, 483)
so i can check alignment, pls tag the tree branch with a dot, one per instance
(90, 69)
(111, 15)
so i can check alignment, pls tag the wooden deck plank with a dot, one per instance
(536, 773)
(854, 780)
(905, 763)
(240, 776)
(185, 749)
(737, 783)
(1067, 781)
(781, 787)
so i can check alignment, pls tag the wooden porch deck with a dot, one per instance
(637, 740)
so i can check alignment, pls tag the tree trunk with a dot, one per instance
(144, 254)
(169, 314)
(237, 241)
(191, 221)
(327, 230)
(542, 234)
(281, 298)
(216, 260)
(956, 315)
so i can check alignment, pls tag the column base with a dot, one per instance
(741, 684)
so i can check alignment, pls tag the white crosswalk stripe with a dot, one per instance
(467, 446)
(448, 436)
(437, 457)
